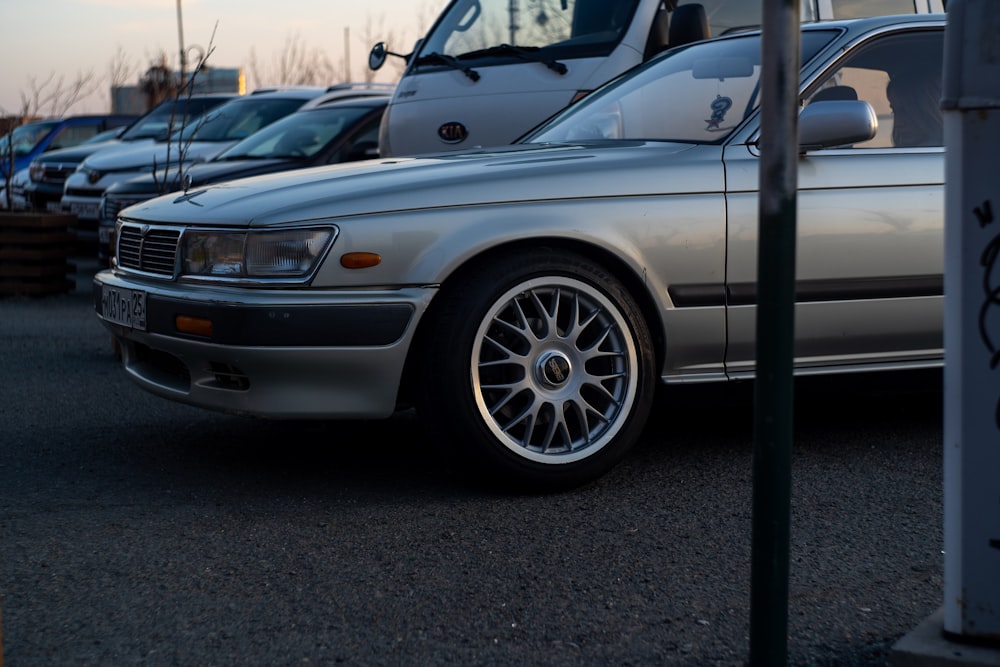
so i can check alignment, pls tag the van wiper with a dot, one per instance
(525, 53)
(436, 58)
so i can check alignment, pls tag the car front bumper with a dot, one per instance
(44, 196)
(286, 354)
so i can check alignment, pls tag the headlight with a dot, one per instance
(257, 254)
(36, 171)
(93, 175)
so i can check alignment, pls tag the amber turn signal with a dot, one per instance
(199, 326)
(360, 260)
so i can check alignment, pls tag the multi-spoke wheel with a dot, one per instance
(540, 367)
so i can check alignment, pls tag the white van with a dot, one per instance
(490, 70)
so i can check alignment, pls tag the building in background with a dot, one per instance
(158, 83)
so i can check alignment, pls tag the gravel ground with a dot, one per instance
(137, 531)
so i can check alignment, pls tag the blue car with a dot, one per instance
(32, 139)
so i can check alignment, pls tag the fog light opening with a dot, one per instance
(228, 376)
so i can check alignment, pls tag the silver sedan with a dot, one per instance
(527, 299)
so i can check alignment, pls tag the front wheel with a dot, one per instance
(537, 369)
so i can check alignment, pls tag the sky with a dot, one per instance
(64, 40)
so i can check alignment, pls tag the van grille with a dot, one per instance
(148, 249)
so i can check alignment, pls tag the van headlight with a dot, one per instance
(292, 253)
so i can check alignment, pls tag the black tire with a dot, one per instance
(537, 369)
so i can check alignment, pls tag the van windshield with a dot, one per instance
(470, 29)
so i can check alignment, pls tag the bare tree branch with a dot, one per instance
(55, 95)
(120, 69)
(295, 65)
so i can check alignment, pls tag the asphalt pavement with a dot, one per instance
(134, 530)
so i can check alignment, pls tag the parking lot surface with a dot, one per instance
(138, 531)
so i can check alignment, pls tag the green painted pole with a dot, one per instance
(774, 386)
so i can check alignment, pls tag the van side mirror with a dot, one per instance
(376, 58)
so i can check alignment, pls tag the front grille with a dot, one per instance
(57, 174)
(148, 249)
(112, 206)
(83, 193)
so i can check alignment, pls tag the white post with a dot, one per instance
(971, 105)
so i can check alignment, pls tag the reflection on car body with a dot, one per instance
(527, 298)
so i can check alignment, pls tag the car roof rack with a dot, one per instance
(355, 85)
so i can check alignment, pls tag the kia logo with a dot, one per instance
(453, 132)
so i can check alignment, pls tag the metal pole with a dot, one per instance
(512, 9)
(347, 53)
(971, 105)
(775, 333)
(180, 42)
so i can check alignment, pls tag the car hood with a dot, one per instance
(520, 173)
(77, 154)
(134, 158)
(205, 173)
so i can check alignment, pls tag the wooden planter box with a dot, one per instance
(34, 253)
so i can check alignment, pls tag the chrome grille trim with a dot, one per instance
(112, 206)
(152, 250)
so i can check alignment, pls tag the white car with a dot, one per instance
(527, 298)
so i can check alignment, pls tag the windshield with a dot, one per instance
(563, 28)
(694, 94)
(239, 119)
(26, 137)
(302, 134)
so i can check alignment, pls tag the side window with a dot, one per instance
(900, 76)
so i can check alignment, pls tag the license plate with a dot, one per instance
(84, 211)
(126, 307)
(53, 207)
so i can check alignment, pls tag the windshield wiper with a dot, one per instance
(448, 61)
(526, 53)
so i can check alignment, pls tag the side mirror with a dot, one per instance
(836, 123)
(376, 58)
(363, 150)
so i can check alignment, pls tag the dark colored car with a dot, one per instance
(33, 139)
(329, 134)
(48, 171)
